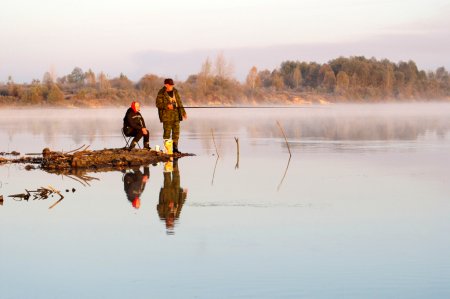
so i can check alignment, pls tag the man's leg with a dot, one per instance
(167, 128)
(147, 140)
(136, 138)
(175, 136)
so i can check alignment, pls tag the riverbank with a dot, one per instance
(266, 99)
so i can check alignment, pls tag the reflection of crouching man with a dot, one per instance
(134, 184)
(134, 125)
(171, 196)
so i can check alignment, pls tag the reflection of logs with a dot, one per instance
(40, 193)
(83, 179)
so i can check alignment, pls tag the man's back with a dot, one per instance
(133, 119)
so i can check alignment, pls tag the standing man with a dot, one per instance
(134, 125)
(171, 112)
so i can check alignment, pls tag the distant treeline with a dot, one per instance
(353, 79)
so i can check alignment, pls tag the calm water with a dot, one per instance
(361, 210)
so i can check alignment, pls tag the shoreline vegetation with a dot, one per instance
(342, 80)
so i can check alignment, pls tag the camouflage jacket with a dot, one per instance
(162, 100)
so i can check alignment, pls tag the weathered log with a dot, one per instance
(13, 153)
(106, 158)
(95, 160)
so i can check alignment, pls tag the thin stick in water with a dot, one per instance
(53, 205)
(284, 175)
(285, 139)
(214, 172)
(237, 158)
(217, 152)
(75, 149)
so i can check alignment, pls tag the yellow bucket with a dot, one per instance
(168, 166)
(168, 144)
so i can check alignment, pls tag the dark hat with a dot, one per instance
(169, 81)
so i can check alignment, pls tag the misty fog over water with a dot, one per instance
(383, 122)
(360, 209)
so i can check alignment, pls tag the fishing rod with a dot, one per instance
(252, 107)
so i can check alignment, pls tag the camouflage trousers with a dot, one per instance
(171, 127)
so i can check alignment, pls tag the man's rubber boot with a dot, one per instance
(132, 145)
(147, 145)
(175, 148)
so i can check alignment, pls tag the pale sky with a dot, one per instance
(172, 38)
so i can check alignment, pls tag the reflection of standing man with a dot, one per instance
(134, 184)
(171, 112)
(171, 196)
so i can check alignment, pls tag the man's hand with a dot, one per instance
(144, 131)
(170, 107)
(185, 116)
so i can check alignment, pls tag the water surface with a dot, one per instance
(360, 210)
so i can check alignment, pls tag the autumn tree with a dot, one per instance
(297, 77)
(410, 74)
(103, 82)
(443, 79)
(265, 77)
(76, 77)
(205, 77)
(252, 81)
(48, 79)
(277, 80)
(223, 69)
(90, 78)
(35, 93)
(342, 82)
(150, 84)
(311, 79)
(388, 80)
(286, 71)
(399, 82)
(328, 79)
(55, 95)
(122, 82)
(13, 89)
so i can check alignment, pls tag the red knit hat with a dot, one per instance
(136, 202)
(134, 106)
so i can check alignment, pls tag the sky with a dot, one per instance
(173, 38)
